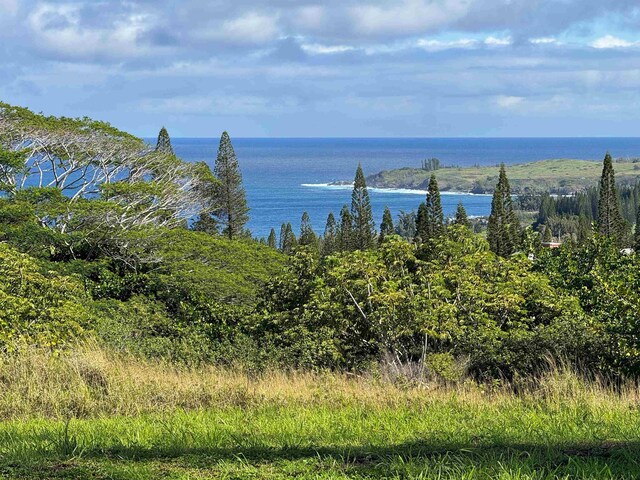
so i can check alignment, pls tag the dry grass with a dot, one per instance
(92, 382)
(112, 416)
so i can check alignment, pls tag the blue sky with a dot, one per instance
(402, 68)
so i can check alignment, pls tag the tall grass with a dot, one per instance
(91, 381)
(96, 414)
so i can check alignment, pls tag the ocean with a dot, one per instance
(285, 177)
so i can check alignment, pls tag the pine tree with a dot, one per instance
(430, 220)
(271, 241)
(637, 235)
(206, 223)
(434, 209)
(232, 210)
(283, 235)
(288, 240)
(422, 223)
(610, 222)
(386, 227)
(163, 145)
(548, 237)
(307, 235)
(461, 217)
(345, 232)
(503, 230)
(364, 233)
(329, 240)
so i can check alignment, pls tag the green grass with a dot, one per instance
(434, 439)
(308, 426)
(556, 176)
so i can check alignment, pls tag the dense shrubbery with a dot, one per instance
(453, 296)
(445, 300)
(38, 307)
(449, 305)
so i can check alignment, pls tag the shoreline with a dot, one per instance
(390, 190)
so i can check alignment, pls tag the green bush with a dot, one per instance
(38, 309)
(459, 299)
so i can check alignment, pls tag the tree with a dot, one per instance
(288, 239)
(406, 225)
(271, 241)
(386, 227)
(610, 223)
(461, 216)
(307, 235)
(329, 240)
(364, 233)
(503, 230)
(344, 237)
(163, 144)
(430, 221)
(422, 223)
(232, 210)
(637, 235)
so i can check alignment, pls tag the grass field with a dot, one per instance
(555, 176)
(98, 416)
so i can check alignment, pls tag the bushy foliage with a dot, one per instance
(354, 308)
(37, 307)
(606, 283)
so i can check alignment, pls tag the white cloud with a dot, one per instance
(311, 17)
(217, 105)
(543, 40)
(411, 16)
(252, 27)
(497, 42)
(319, 49)
(436, 45)
(58, 28)
(609, 41)
(539, 104)
(509, 101)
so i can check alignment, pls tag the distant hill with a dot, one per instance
(555, 176)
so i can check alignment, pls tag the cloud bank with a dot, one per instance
(331, 68)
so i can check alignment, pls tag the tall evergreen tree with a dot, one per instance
(610, 222)
(386, 227)
(461, 217)
(345, 232)
(422, 223)
(330, 237)
(503, 230)
(232, 210)
(271, 241)
(364, 232)
(637, 235)
(283, 235)
(163, 144)
(307, 235)
(288, 240)
(434, 209)
(430, 220)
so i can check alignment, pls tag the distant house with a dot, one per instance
(551, 244)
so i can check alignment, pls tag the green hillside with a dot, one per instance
(556, 176)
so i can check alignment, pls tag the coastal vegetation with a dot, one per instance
(145, 333)
(562, 177)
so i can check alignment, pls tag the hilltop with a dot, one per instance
(561, 176)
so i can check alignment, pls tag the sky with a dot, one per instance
(329, 68)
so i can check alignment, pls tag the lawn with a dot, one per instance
(208, 423)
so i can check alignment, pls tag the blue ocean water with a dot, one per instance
(277, 172)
